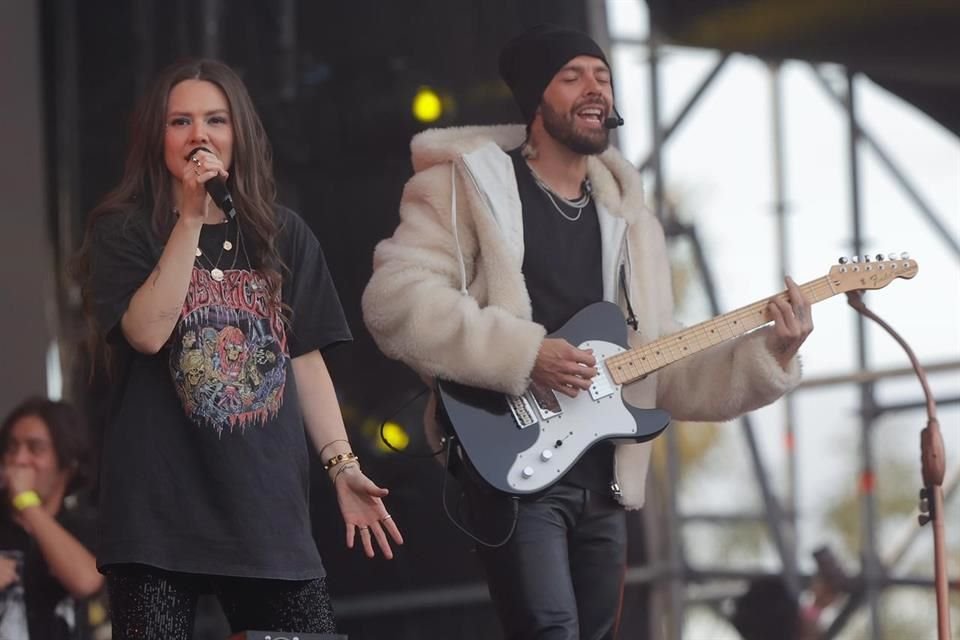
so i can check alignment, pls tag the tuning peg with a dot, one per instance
(854, 259)
(923, 519)
(904, 256)
(891, 256)
(866, 258)
(880, 257)
(843, 260)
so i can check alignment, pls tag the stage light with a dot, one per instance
(427, 105)
(396, 435)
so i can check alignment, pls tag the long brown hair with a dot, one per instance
(147, 183)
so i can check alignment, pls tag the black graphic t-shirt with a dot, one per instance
(205, 464)
(228, 353)
(36, 605)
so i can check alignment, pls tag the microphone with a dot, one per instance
(217, 189)
(614, 121)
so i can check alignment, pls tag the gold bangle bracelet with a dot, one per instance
(339, 458)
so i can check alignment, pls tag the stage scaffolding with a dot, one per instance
(671, 574)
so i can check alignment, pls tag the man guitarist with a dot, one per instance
(505, 232)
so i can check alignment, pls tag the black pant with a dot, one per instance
(151, 604)
(560, 575)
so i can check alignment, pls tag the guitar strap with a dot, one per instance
(631, 316)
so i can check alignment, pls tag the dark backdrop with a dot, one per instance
(333, 83)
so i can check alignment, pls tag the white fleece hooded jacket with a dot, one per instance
(447, 296)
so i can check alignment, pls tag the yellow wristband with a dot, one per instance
(26, 499)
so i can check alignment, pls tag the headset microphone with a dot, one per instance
(614, 121)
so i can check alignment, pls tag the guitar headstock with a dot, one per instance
(858, 273)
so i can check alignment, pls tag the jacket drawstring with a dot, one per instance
(456, 233)
(631, 316)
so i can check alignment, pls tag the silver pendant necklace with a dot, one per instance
(215, 271)
(579, 204)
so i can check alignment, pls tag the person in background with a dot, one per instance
(46, 534)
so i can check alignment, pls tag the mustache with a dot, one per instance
(587, 102)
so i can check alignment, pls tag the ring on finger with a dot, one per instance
(386, 517)
(362, 529)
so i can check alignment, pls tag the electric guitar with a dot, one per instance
(523, 444)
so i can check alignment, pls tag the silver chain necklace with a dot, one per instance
(579, 204)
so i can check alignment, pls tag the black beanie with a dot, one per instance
(529, 61)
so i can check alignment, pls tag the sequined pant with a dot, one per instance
(151, 604)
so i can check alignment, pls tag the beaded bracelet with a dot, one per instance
(340, 457)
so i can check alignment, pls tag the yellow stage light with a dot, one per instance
(396, 435)
(427, 105)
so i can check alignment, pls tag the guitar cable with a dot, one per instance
(447, 447)
(514, 503)
(383, 435)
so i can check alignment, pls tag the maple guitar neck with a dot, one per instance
(847, 276)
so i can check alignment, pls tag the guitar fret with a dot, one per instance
(637, 363)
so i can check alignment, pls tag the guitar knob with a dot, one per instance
(527, 472)
(546, 454)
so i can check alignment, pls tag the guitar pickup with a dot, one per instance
(600, 385)
(522, 411)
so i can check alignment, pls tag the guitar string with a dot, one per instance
(812, 289)
(817, 290)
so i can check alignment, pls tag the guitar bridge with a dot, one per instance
(546, 401)
(522, 411)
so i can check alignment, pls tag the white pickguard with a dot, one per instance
(583, 420)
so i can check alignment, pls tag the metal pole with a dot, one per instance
(656, 156)
(871, 573)
(876, 374)
(780, 210)
(675, 560)
(67, 232)
(898, 176)
(773, 512)
(685, 110)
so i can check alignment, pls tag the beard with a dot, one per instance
(562, 127)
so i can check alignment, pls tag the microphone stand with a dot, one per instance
(933, 467)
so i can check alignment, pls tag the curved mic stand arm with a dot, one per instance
(933, 468)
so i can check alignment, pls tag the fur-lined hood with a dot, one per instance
(616, 183)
